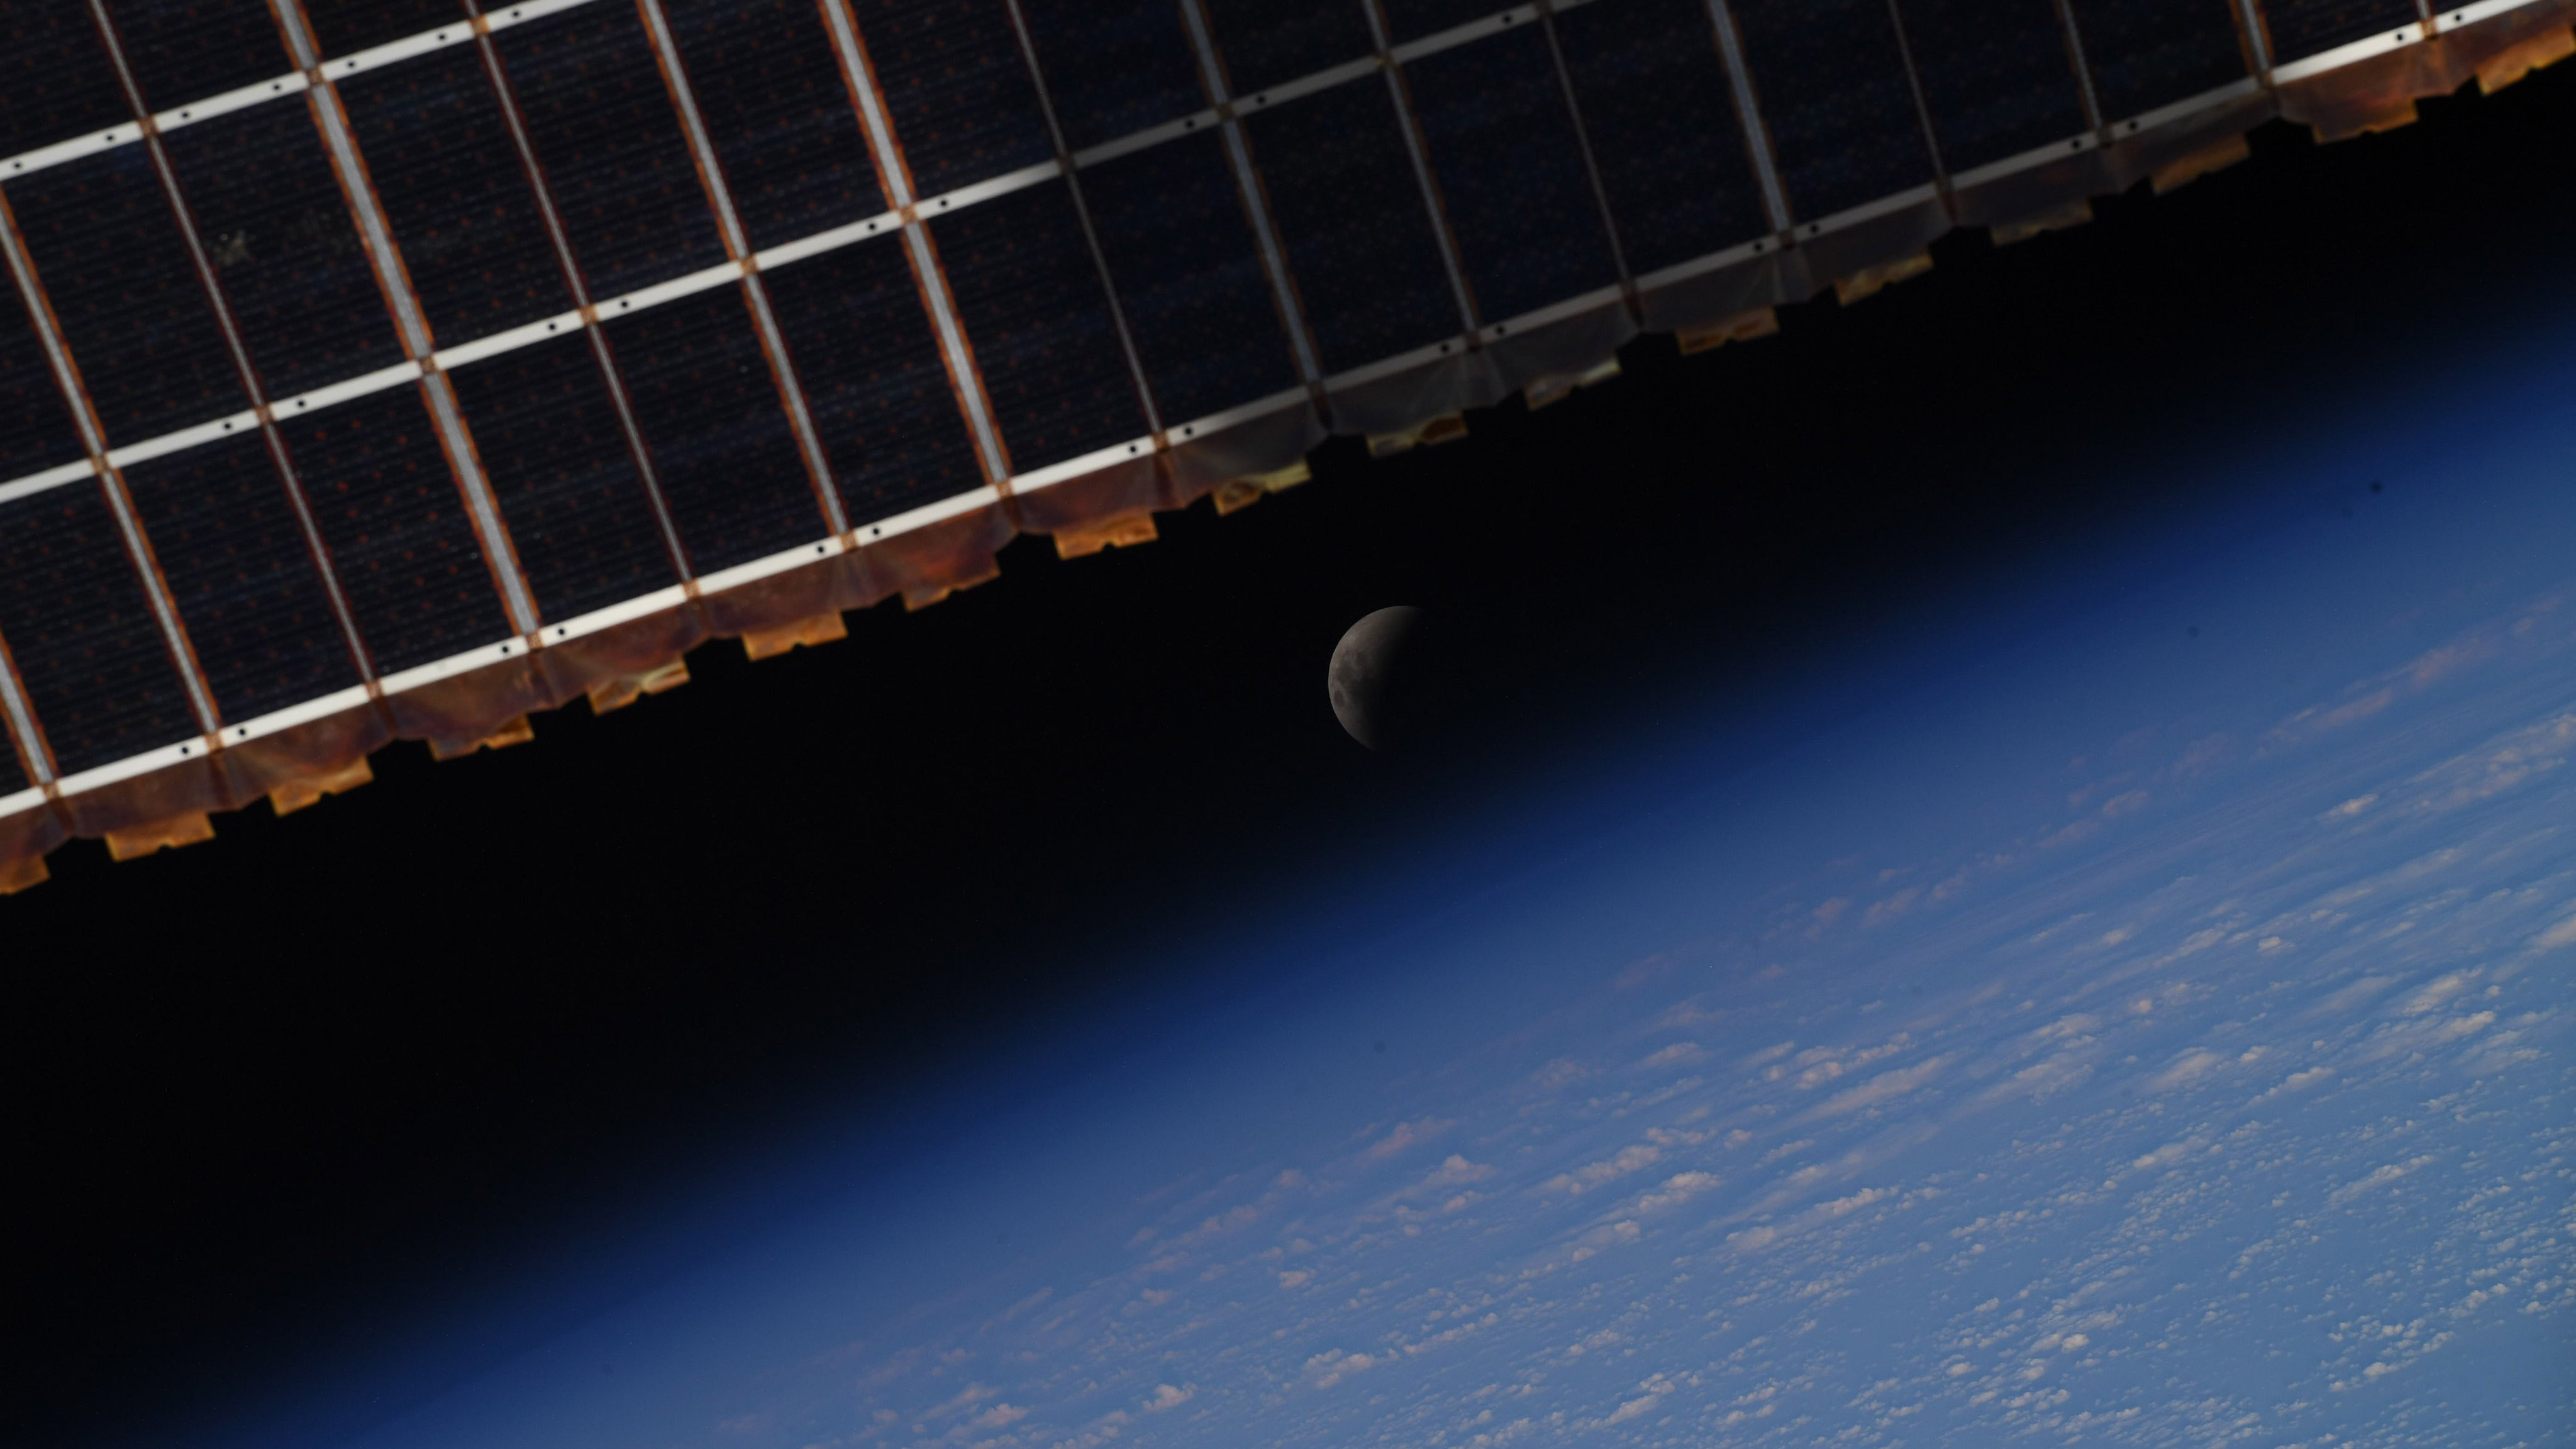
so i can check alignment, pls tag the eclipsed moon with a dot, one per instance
(1373, 674)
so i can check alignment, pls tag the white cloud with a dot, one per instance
(1167, 1396)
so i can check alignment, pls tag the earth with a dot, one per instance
(2130, 1004)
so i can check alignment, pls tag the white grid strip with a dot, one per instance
(1748, 114)
(906, 216)
(1082, 216)
(1256, 205)
(1411, 130)
(12, 702)
(964, 379)
(2082, 63)
(1591, 163)
(376, 235)
(782, 368)
(586, 315)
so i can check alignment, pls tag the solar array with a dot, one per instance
(396, 366)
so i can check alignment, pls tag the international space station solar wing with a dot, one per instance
(396, 368)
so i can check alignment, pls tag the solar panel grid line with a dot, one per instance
(2084, 84)
(965, 380)
(782, 368)
(35, 483)
(120, 504)
(1922, 108)
(1748, 110)
(393, 278)
(2249, 33)
(1409, 130)
(1090, 232)
(1256, 205)
(35, 761)
(561, 245)
(1591, 159)
(2348, 53)
(484, 347)
(1460, 34)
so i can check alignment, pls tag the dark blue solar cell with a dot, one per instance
(97, 668)
(1414, 19)
(1113, 67)
(1661, 114)
(388, 508)
(717, 431)
(286, 254)
(55, 78)
(874, 378)
(243, 577)
(1030, 298)
(1511, 173)
(610, 142)
(1189, 277)
(127, 295)
(2301, 28)
(1998, 76)
(546, 429)
(1351, 214)
(342, 26)
(2150, 53)
(778, 109)
(1272, 42)
(456, 194)
(186, 50)
(956, 88)
(1832, 85)
(41, 432)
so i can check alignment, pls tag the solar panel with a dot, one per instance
(384, 365)
(2301, 28)
(1998, 77)
(230, 543)
(2149, 54)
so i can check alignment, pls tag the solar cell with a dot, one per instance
(41, 433)
(778, 112)
(2301, 28)
(242, 576)
(2150, 53)
(186, 50)
(1657, 105)
(715, 430)
(55, 78)
(1269, 42)
(1413, 19)
(1045, 341)
(592, 96)
(1188, 271)
(1998, 77)
(1352, 218)
(456, 195)
(286, 255)
(385, 502)
(126, 294)
(565, 477)
(1835, 95)
(1113, 67)
(1511, 172)
(956, 89)
(344, 26)
(874, 378)
(95, 664)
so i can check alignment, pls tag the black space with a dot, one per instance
(309, 1071)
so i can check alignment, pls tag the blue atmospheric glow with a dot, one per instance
(2046, 1021)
